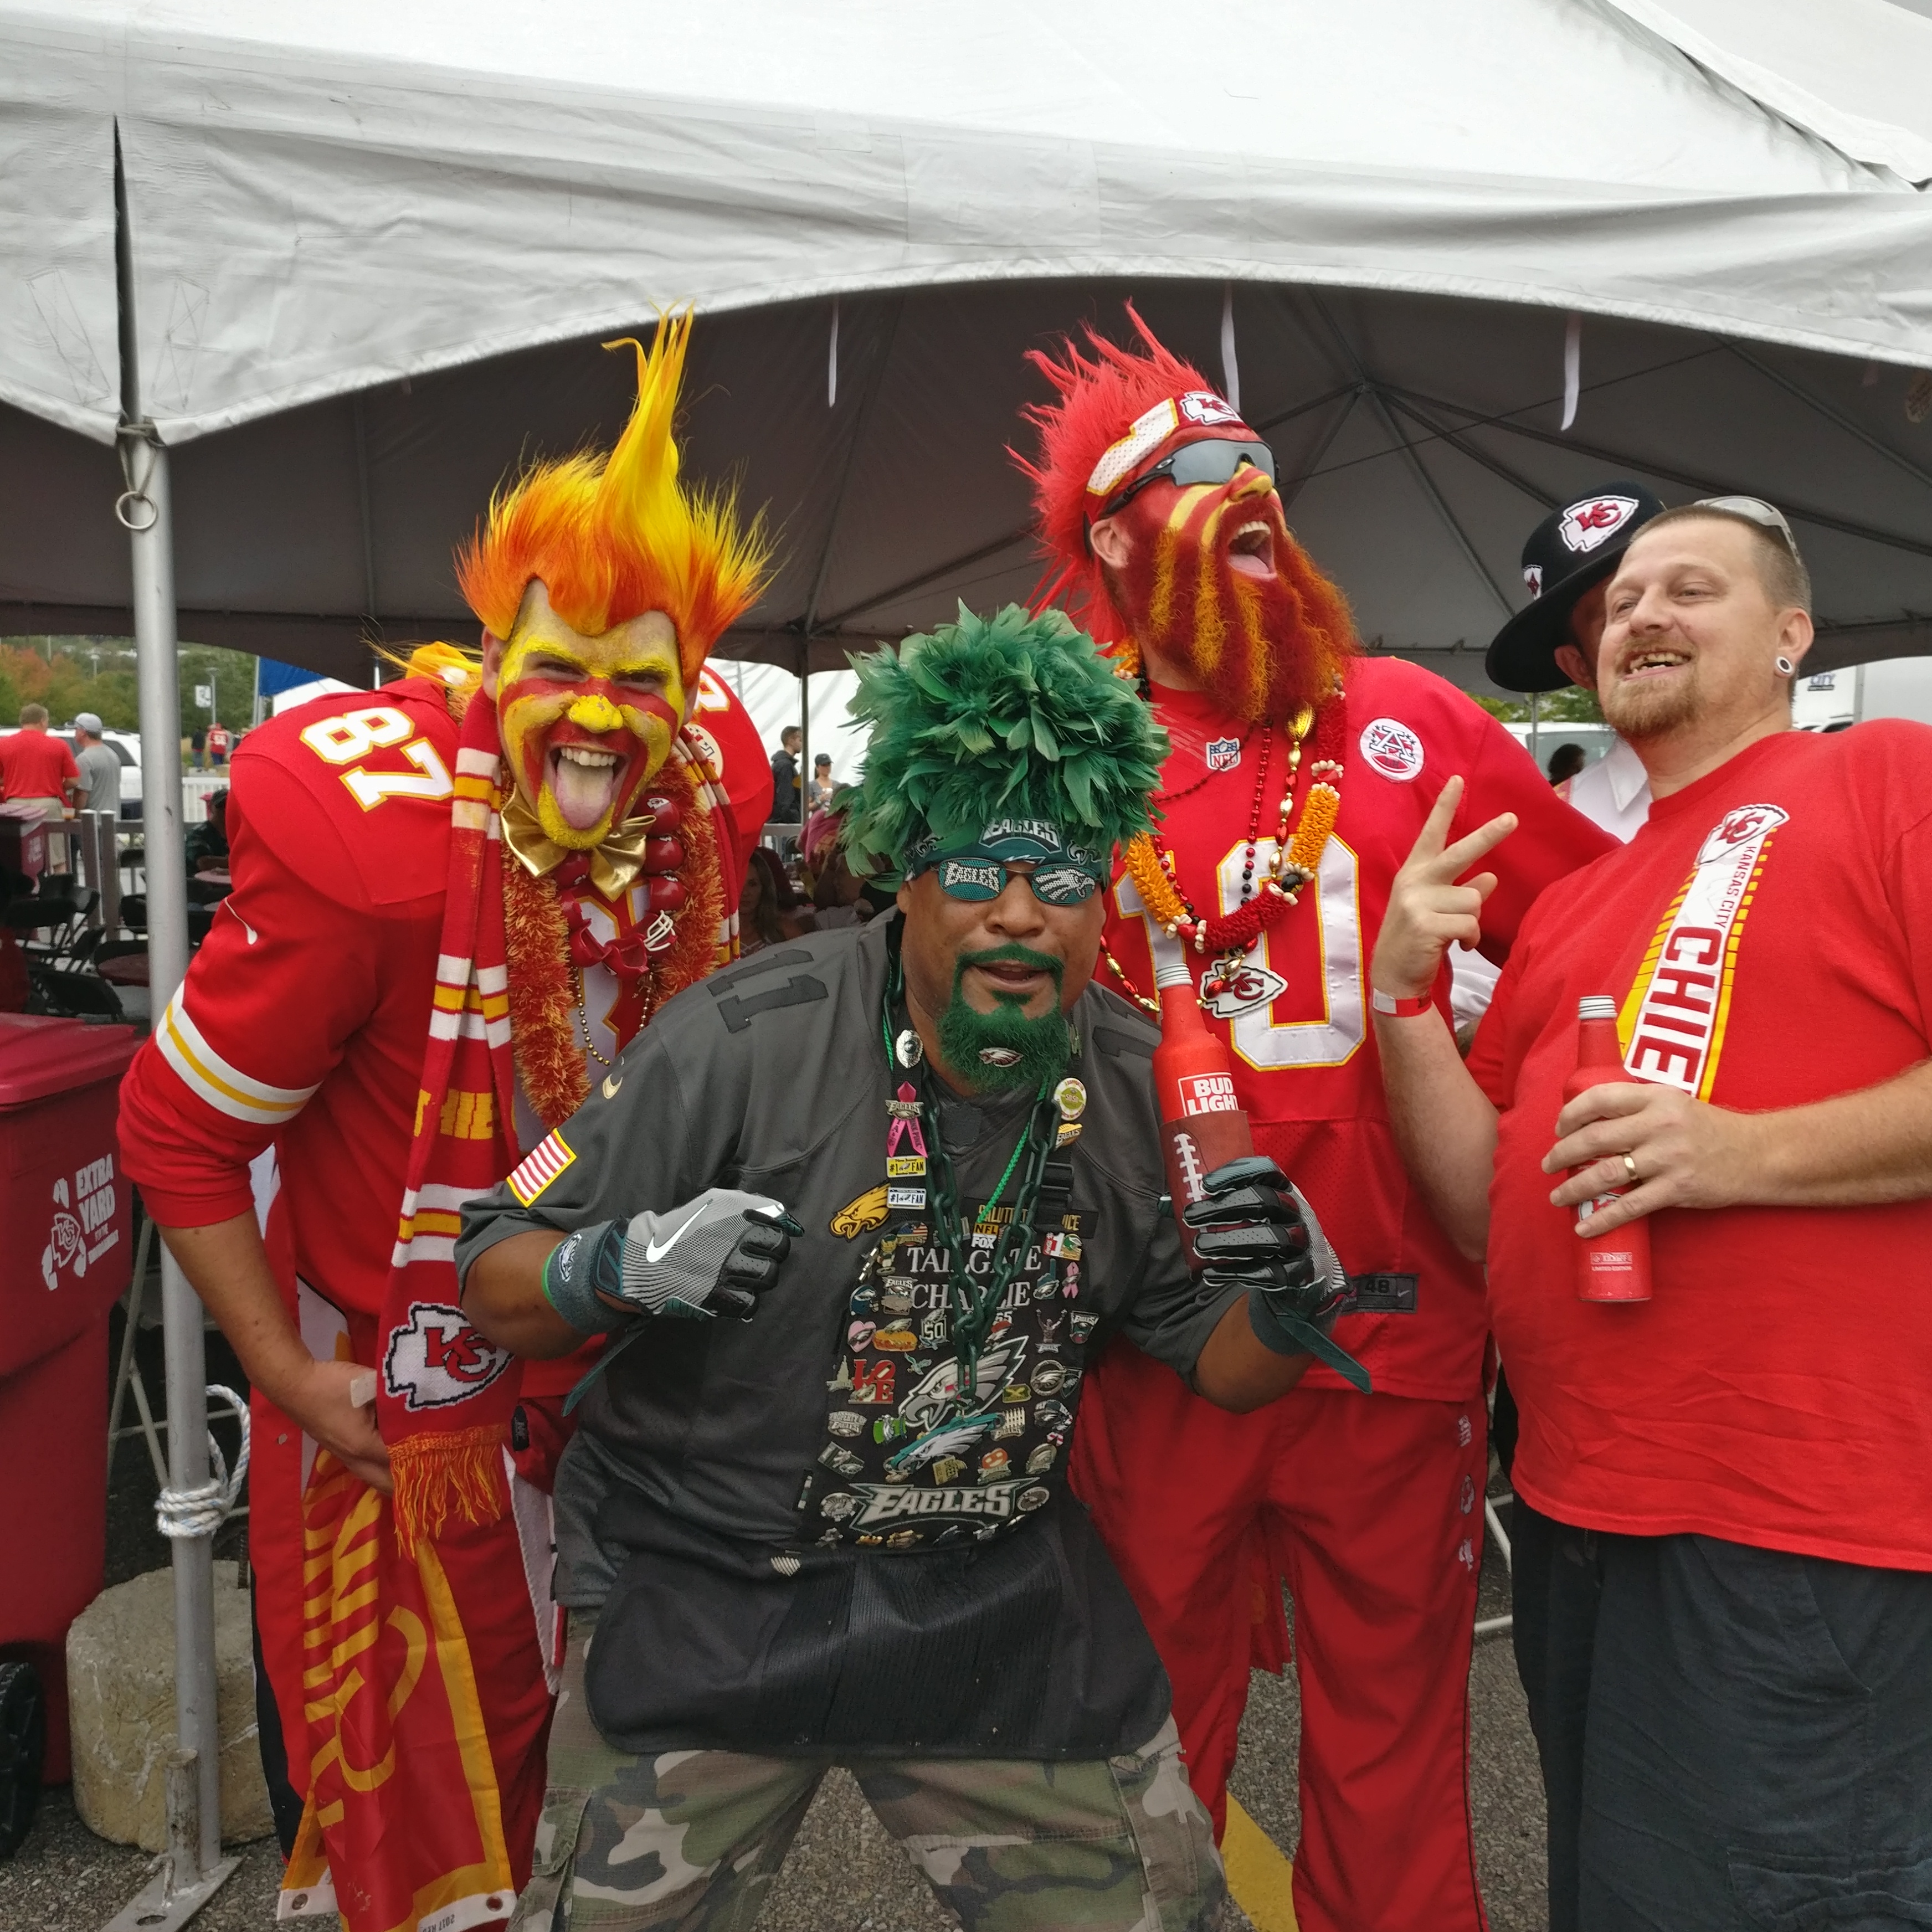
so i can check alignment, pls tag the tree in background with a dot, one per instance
(69, 675)
(1572, 705)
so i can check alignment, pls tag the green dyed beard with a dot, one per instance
(965, 1033)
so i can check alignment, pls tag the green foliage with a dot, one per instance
(70, 675)
(231, 673)
(1013, 714)
(1572, 705)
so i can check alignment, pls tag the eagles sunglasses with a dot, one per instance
(1211, 460)
(979, 877)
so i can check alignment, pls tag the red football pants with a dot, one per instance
(1371, 1506)
(485, 1568)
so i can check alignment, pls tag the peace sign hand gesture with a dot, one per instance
(1428, 910)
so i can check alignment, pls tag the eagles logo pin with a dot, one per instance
(1070, 1097)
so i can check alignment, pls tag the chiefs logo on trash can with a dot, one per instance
(439, 1358)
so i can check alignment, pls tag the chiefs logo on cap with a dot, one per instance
(1586, 525)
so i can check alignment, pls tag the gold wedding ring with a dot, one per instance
(1629, 1167)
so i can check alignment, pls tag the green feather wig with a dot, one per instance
(1015, 716)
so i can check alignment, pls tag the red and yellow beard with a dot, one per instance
(586, 721)
(1215, 582)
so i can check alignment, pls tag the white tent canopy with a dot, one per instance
(373, 247)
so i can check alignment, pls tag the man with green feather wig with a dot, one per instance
(868, 1201)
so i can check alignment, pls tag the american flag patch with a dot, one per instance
(540, 1167)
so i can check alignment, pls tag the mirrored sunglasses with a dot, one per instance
(974, 875)
(1214, 459)
(1753, 510)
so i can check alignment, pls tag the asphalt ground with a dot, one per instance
(845, 1874)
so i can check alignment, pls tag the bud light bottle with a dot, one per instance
(1202, 1125)
(1612, 1267)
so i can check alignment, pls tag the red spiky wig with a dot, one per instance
(1103, 394)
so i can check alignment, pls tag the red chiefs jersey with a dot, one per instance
(303, 1017)
(1304, 1051)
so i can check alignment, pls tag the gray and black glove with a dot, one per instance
(1254, 1230)
(714, 1255)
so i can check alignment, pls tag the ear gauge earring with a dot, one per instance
(1785, 668)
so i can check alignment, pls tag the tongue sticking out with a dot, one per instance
(583, 787)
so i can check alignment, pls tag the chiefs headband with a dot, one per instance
(1197, 408)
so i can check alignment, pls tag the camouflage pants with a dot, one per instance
(692, 1840)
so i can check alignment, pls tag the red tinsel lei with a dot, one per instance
(539, 931)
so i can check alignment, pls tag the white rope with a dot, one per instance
(202, 1510)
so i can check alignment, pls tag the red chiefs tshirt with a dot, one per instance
(35, 764)
(1768, 938)
(1306, 1067)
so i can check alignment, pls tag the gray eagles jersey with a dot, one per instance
(766, 1450)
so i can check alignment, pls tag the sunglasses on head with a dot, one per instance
(977, 876)
(1213, 459)
(1753, 510)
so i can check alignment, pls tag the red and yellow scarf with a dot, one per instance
(403, 1825)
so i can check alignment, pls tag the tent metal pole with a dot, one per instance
(804, 735)
(1371, 390)
(194, 1867)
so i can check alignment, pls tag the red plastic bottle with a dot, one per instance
(1202, 1125)
(1614, 1267)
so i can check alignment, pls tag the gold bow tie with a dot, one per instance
(613, 864)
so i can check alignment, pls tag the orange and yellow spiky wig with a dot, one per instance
(610, 537)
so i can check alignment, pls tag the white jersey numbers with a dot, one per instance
(355, 734)
(1327, 1036)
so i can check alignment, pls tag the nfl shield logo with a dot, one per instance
(1223, 754)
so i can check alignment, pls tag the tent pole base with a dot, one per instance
(161, 1906)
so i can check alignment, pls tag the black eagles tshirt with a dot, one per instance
(802, 1531)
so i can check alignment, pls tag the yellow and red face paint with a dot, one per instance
(621, 693)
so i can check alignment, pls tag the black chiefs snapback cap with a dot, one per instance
(1572, 549)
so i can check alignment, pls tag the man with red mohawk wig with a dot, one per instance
(457, 899)
(1300, 774)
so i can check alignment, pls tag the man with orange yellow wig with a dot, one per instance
(389, 1016)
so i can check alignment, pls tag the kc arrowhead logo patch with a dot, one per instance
(439, 1359)
(1586, 526)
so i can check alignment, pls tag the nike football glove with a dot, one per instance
(715, 1256)
(1254, 1230)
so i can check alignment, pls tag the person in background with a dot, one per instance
(786, 792)
(1565, 762)
(100, 769)
(822, 786)
(767, 907)
(36, 769)
(1567, 561)
(1724, 1536)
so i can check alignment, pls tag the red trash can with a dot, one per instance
(66, 1253)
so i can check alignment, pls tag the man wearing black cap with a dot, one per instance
(1570, 556)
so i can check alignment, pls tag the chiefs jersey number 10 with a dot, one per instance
(1254, 1032)
(353, 735)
